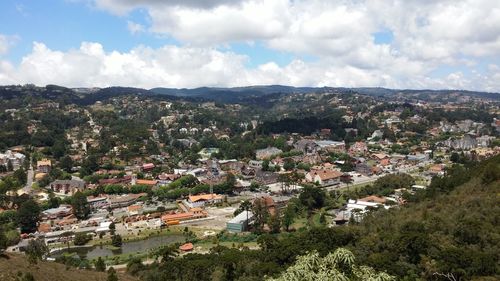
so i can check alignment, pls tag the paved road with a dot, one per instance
(31, 175)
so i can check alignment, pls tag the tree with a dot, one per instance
(274, 222)
(27, 216)
(167, 253)
(116, 240)
(289, 164)
(81, 239)
(265, 165)
(455, 157)
(21, 176)
(134, 266)
(260, 214)
(80, 205)
(112, 228)
(112, 275)
(54, 201)
(312, 198)
(100, 265)
(3, 241)
(347, 180)
(36, 250)
(289, 216)
(339, 265)
(10, 166)
(66, 163)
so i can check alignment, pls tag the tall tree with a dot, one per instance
(36, 250)
(28, 215)
(100, 265)
(80, 205)
(112, 275)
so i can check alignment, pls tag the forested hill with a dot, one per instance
(451, 231)
(244, 95)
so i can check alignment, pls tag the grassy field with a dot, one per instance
(13, 264)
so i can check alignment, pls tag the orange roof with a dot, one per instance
(134, 208)
(380, 155)
(43, 162)
(384, 162)
(146, 182)
(182, 216)
(326, 174)
(374, 199)
(186, 247)
(212, 196)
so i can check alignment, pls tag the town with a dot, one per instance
(110, 177)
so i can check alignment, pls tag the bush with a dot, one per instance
(82, 239)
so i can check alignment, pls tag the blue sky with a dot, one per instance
(191, 43)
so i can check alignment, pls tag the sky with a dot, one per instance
(410, 44)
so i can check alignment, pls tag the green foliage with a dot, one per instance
(312, 197)
(27, 216)
(336, 266)
(112, 275)
(80, 205)
(81, 239)
(116, 240)
(36, 250)
(100, 265)
(134, 266)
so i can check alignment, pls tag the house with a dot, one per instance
(255, 164)
(437, 169)
(67, 187)
(134, 210)
(146, 182)
(206, 153)
(240, 223)
(364, 169)
(393, 120)
(15, 158)
(417, 157)
(44, 166)
(148, 167)
(324, 177)
(268, 202)
(57, 213)
(267, 153)
(358, 148)
(377, 134)
(175, 218)
(117, 180)
(331, 146)
(164, 179)
(197, 201)
(306, 146)
(97, 202)
(125, 200)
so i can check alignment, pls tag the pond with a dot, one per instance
(133, 247)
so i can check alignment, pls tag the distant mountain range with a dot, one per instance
(250, 94)
(217, 93)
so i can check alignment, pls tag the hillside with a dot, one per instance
(12, 264)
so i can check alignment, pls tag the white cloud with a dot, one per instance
(338, 34)
(424, 29)
(135, 28)
(6, 42)
(174, 66)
